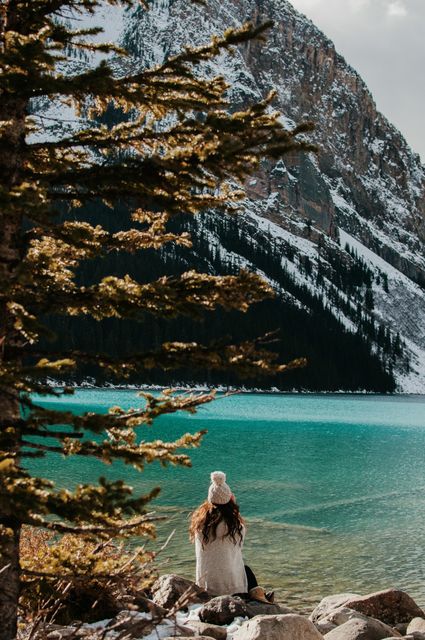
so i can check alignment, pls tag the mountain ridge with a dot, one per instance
(340, 235)
(365, 182)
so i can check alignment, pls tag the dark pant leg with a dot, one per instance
(252, 580)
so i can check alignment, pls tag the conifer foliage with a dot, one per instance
(179, 148)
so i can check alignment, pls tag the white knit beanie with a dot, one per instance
(219, 492)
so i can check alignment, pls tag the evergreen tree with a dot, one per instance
(179, 148)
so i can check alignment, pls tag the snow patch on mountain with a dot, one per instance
(402, 308)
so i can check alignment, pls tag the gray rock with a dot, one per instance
(358, 629)
(324, 626)
(170, 588)
(193, 638)
(262, 609)
(402, 627)
(223, 610)
(417, 624)
(335, 618)
(281, 627)
(206, 629)
(409, 637)
(390, 606)
(329, 604)
(344, 614)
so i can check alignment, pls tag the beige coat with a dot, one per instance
(219, 564)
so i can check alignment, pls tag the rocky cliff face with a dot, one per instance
(360, 201)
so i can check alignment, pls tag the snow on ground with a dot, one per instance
(306, 247)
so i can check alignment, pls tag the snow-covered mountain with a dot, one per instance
(358, 207)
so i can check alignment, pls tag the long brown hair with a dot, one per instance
(208, 516)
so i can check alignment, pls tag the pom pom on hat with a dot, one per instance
(218, 477)
(219, 492)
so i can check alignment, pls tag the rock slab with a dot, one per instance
(342, 615)
(391, 606)
(329, 604)
(335, 618)
(169, 588)
(206, 629)
(280, 627)
(416, 625)
(223, 610)
(361, 629)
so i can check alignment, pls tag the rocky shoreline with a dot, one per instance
(176, 607)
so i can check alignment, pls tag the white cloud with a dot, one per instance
(358, 5)
(341, 7)
(397, 9)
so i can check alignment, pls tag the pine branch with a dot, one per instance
(190, 294)
(136, 455)
(119, 528)
(120, 422)
(248, 359)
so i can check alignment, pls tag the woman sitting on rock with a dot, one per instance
(218, 530)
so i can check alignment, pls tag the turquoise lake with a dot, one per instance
(332, 486)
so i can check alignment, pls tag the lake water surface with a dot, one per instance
(332, 486)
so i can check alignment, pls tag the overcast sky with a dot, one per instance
(384, 40)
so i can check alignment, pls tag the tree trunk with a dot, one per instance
(10, 447)
(10, 528)
(13, 110)
(9, 578)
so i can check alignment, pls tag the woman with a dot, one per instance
(218, 531)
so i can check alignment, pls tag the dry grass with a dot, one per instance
(71, 577)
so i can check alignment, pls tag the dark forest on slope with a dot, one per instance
(337, 358)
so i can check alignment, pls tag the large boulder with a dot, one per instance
(417, 625)
(361, 629)
(207, 629)
(168, 589)
(335, 618)
(329, 604)
(409, 637)
(390, 606)
(342, 615)
(281, 627)
(223, 610)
